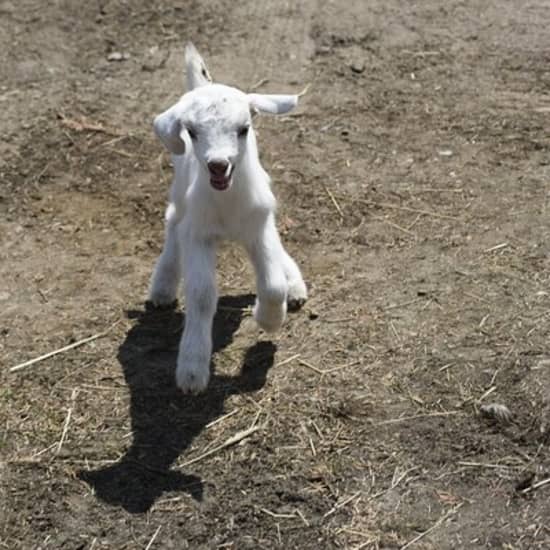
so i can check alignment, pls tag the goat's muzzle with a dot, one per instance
(221, 172)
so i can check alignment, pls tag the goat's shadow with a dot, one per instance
(164, 421)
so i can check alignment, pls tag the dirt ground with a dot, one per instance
(414, 189)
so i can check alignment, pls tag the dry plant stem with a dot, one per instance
(347, 365)
(414, 417)
(287, 360)
(67, 420)
(334, 201)
(394, 483)
(222, 418)
(404, 304)
(153, 537)
(302, 517)
(322, 372)
(342, 504)
(497, 247)
(86, 125)
(485, 465)
(487, 393)
(340, 320)
(536, 486)
(61, 350)
(277, 516)
(228, 443)
(305, 90)
(406, 209)
(258, 84)
(433, 527)
(309, 366)
(395, 226)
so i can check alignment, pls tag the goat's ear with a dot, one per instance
(272, 104)
(168, 128)
(195, 67)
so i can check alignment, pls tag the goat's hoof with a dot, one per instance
(294, 304)
(162, 298)
(270, 321)
(192, 379)
(161, 305)
(297, 295)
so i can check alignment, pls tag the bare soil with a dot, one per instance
(414, 192)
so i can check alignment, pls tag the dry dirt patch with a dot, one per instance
(414, 188)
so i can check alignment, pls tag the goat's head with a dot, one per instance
(214, 121)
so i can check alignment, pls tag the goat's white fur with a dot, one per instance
(209, 125)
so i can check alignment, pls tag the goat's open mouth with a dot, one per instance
(219, 181)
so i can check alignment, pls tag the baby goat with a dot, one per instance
(220, 191)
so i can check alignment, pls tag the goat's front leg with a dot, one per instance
(165, 281)
(193, 368)
(297, 290)
(268, 257)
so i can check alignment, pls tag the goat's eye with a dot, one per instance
(243, 131)
(192, 133)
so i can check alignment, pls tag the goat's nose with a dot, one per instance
(218, 167)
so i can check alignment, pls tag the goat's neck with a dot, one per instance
(250, 169)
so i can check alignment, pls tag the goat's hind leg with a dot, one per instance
(167, 274)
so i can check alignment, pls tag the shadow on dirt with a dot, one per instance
(165, 422)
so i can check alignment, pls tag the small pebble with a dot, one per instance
(118, 56)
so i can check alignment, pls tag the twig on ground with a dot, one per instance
(113, 141)
(396, 480)
(310, 366)
(333, 200)
(347, 365)
(276, 515)
(258, 84)
(296, 515)
(396, 226)
(305, 90)
(84, 124)
(447, 366)
(487, 393)
(287, 360)
(433, 527)
(407, 209)
(153, 537)
(222, 418)
(497, 247)
(337, 507)
(322, 372)
(341, 320)
(485, 465)
(239, 436)
(403, 304)
(536, 486)
(302, 517)
(67, 420)
(62, 350)
(414, 417)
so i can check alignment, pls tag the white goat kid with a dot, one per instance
(220, 191)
